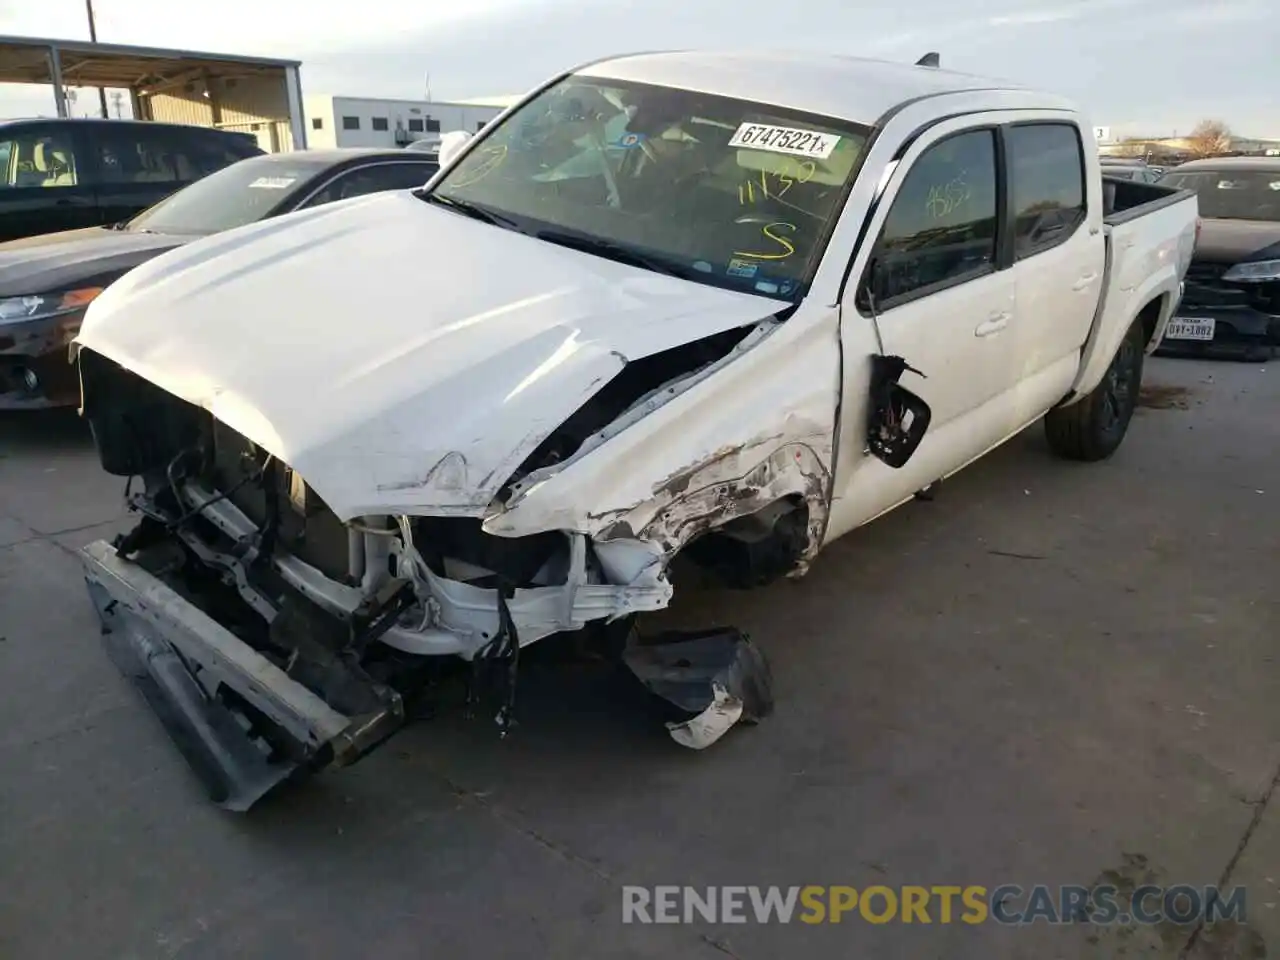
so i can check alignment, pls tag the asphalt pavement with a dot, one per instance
(1050, 674)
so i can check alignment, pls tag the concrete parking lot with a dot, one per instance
(1052, 673)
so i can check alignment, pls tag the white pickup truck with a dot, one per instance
(726, 306)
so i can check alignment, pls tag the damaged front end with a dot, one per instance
(273, 638)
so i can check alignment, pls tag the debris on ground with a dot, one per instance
(715, 677)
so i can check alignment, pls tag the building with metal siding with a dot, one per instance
(245, 104)
(253, 94)
(369, 122)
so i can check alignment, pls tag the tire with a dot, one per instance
(1093, 428)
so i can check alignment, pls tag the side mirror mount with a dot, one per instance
(872, 291)
(451, 145)
(897, 419)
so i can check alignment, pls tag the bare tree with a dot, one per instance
(1210, 138)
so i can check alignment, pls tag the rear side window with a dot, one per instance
(1046, 179)
(135, 153)
(941, 229)
(209, 152)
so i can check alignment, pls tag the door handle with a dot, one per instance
(1084, 282)
(993, 324)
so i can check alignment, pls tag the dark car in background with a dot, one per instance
(1231, 305)
(60, 174)
(47, 282)
(1130, 169)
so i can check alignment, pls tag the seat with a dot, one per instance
(184, 168)
(55, 163)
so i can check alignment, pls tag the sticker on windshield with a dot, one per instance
(799, 143)
(628, 141)
(272, 183)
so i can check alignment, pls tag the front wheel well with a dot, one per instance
(757, 548)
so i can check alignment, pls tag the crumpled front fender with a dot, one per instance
(723, 444)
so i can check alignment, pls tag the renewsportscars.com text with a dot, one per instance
(1006, 904)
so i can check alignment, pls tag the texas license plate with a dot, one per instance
(1190, 328)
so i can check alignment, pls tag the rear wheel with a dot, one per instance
(1093, 428)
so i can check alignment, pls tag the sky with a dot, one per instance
(1141, 67)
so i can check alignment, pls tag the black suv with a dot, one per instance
(62, 174)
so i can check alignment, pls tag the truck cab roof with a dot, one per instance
(849, 88)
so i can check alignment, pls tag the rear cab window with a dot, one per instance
(1047, 184)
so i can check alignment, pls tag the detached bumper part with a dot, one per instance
(717, 677)
(184, 662)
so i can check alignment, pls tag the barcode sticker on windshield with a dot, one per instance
(272, 183)
(799, 143)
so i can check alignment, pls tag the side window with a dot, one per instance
(1046, 177)
(39, 158)
(374, 179)
(941, 228)
(210, 152)
(134, 153)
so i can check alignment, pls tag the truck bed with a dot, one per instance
(1123, 200)
(1150, 232)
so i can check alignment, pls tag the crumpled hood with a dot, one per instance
(1238, 241)
(401, 357)
(63, 261)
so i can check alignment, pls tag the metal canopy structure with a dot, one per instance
(145, 72)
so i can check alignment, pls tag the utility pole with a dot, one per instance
(93, 37)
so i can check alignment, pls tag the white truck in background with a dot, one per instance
(731, 306)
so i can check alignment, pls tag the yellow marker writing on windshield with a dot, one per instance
(771, 230)
(791, 174)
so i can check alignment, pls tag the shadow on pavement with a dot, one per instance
(42, 431)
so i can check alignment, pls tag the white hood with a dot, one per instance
(401, 357)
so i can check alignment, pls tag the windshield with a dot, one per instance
(721, 191)
(1231, 194)
(233, 196)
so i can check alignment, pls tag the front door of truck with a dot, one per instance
(934, 290)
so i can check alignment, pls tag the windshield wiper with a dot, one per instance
(472, 210)
(610, 251)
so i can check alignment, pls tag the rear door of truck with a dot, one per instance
(1058, 253)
